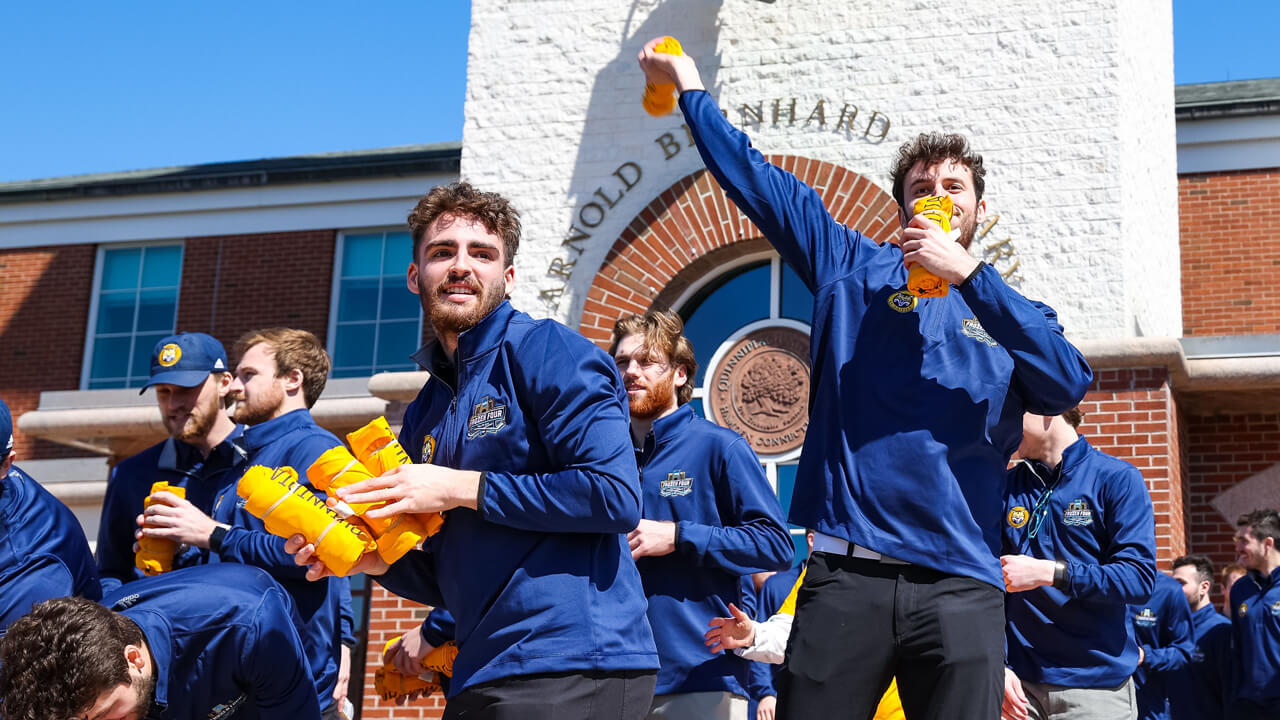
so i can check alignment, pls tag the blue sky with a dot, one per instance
(98, 87)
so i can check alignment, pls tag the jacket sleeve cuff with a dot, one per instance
(692, 537)
(977, 269)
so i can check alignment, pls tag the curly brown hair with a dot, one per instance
(58, 659)
(933, 148)
(293, 349)
(461, 199)
(663, 331)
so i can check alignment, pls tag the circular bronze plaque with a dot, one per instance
(760, 389)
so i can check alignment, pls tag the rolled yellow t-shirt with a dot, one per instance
(288, 508)
(389, 683)
(155, 555)
(395, 535)
(379, 451)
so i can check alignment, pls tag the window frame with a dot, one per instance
(335, 289)
(90, 331)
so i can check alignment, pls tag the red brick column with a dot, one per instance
(1131, 414)
(691, 227)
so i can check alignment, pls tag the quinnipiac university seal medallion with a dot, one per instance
(760, 389)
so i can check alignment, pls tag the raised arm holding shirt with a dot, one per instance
(917, 404)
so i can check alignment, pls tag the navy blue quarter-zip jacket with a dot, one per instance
(706, 480)
(177, 463)
(1097, 518)
(1162, 628)
(225, 643)
(1199, 691)
(294, 440)
(917, 404)
(1255, 620)
(540, 578)
(43, 551)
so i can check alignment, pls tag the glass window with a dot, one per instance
(723, 307)
(376, 322)
(797, 301)
(136, 305)
(786, 485)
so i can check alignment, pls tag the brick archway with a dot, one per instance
(691, 228)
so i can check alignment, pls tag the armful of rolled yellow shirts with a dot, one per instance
(289, 508)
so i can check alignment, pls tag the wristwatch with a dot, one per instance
(215, 537)
(1060, 575)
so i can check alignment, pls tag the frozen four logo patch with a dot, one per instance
(974, 329)
(1146, 618)
(1077, 513)
(676, 484)
(488, 416)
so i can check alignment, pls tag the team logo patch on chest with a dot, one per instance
(488, 416)
(428, 449)
(676, 485)
(1243, 609)
(902, 301)
(1018, 517)
(974, 329)
(1077, 513)
(1275, 608)
(1145, 619)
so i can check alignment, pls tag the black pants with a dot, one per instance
(578, 695)
(859, 623)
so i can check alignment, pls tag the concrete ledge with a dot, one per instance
(398, 386)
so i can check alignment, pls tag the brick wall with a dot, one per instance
(1131, 414)
(1227, 219)
(235, 283)
(390, 616)
(44, 306)
(1222, 451)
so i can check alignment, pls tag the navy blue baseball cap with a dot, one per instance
(185, 360)
(6, 431)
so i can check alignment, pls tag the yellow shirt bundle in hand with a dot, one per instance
(289, 508)
(921, 282)
(379, 451)
(395, 535)
(389, 683)
(155, 555)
